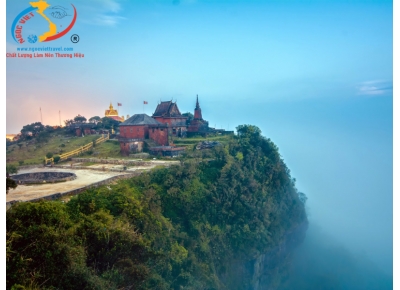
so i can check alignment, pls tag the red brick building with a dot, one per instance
(83, 129)
(135, 130)
(168, 113)
(198, 125)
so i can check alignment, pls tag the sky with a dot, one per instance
(315, 76)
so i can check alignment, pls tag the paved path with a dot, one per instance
(84, 178)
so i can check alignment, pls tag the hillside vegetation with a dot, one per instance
(33, 151)
(183, 227)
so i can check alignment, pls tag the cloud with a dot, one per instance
(375, 88)
(111, 5)
(104, 12)
(107, 20)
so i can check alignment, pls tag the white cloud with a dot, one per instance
(104, 12)
(111, 5)
(374, 88)
(108, 20)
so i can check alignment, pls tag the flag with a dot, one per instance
(119, 104)
(145, 103)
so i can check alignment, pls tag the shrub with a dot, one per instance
(49, 155)
(57, 158)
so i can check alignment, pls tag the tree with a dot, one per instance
(68, 122)
(49, 129)
(57, 158)
(80, 119)
(303, 198)
(10, 169)
(32, 130)
(189, 115)
(95, 119)
(248, 131)
(108, 123)
(10, 184)
(49, 155)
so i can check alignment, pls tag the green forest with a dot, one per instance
(182, 227)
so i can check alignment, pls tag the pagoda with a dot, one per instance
(113, 114)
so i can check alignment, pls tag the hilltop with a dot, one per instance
(225, 218)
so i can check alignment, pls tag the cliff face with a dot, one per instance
(268, 270)
(268, 267)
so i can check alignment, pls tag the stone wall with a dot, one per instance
(134, 132)
(76, 191)
(159, 135)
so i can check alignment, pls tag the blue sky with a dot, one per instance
(315, 76)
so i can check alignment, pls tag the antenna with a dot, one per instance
(41, 118)
(59, 116)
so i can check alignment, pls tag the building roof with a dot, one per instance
(140, 119)
(167, 109)
(111, 111)
(116, 118)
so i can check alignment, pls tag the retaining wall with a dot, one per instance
(76, 191)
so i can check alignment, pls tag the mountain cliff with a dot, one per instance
(226, 218)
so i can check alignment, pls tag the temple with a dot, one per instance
(168, 113)
(155, 134)
(113, 114)
(138, 129)
(198, 125)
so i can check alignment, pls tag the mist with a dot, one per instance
(340, 152)
(322, 262)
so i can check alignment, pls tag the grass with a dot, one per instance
(110, 149)
(34, 153)
(194, 140)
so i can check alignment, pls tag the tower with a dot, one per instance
(197, 110)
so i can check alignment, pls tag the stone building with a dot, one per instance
(83, 129)
(198, 125)
(137, 129)
(168, 113)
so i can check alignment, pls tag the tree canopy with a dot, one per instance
(80, 119)
(189, 226)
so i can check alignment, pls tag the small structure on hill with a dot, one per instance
(138, 128)
(83, 129)
(198, 125)
(207, 145)
(168, 113)
(113, 114)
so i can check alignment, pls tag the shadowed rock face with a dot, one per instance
(269, 270)
(43, 177)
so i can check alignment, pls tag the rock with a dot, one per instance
(207, 145)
